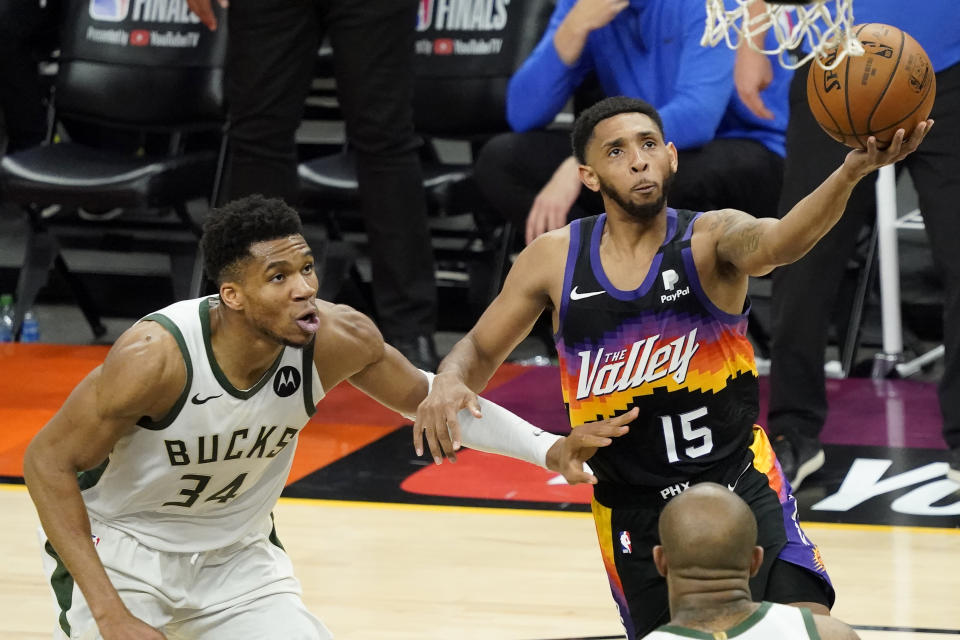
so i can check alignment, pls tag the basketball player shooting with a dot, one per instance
(185, 435)
(649, 307)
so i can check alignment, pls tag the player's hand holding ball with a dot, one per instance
(879, 102)
(890, 87)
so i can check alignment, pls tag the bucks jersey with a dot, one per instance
(779, 621)
(211, 470)
(663, 347)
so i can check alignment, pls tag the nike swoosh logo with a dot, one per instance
(734, 485)
(576, 295)
(197, 400)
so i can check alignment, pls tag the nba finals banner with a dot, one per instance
(473, 37)
(156, 32)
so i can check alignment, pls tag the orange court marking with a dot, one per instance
(35, 380)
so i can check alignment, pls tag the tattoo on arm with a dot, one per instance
(740, 235)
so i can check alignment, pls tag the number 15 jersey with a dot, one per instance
(664, 348)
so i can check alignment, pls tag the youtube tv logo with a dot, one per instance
(139, 38)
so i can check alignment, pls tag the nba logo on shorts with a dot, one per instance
(425, 15)
(109, 10)
(625, 545)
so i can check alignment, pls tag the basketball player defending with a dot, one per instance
(708, 552)
(185, 436)
(649, 306)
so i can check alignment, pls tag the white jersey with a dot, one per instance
(210, 471)
(778, 621)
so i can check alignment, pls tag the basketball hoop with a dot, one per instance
(797, 25)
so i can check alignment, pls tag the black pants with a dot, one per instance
(628, 532)
(271, 56)
(737, 173)
(805, 292)
(26, 30)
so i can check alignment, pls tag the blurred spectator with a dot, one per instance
(647, 49)
(805, 292)
(270, 63)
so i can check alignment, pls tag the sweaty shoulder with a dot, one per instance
(711, 223)
(347, 341)
(143, 372)
(833, 629)
(541, 264)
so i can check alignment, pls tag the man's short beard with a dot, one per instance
(641, 212)
(276, 337)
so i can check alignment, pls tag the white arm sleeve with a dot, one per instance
(502, 432)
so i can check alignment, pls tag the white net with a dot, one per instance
(803, 31)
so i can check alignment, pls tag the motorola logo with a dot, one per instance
(286, 381)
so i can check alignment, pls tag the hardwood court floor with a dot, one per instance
(374, 571)
(389, 547)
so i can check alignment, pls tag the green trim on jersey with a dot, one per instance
(686, 633)
(733, 631)
(62, 583)
(274, 539)
(91, 477)
(168, 419)
(751, 620)
(215, 367)
(308, 402)
(810, 623)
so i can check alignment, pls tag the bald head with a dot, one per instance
(708, 527)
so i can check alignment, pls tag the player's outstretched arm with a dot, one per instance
(756, 246)
(350, 347)
(143, 375)
(499, 431)
(570, 453)
(468, 367)
(353, 349)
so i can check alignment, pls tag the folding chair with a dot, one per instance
(130, 75)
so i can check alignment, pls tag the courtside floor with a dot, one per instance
(391, 546)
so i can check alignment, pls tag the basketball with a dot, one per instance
(891, 86)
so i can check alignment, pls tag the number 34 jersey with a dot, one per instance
(664, 348)
(210, 471)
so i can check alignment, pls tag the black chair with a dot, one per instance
(460, 96)
(158, 88)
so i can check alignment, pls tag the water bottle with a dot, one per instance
(29, 330)
(6, 318)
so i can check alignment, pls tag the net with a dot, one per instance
(803, 30)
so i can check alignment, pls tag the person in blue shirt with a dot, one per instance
(648, 49)
(804, 293)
